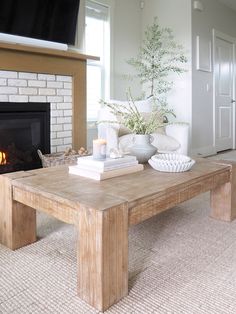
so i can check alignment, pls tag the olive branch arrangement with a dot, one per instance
(138, 122)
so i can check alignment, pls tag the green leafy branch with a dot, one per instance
(138, 122)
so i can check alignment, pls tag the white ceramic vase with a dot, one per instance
(142, 148)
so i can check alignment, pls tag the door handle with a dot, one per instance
(232, 101)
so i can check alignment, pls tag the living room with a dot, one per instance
(181, 260)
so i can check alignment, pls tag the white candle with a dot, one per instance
(99, 149)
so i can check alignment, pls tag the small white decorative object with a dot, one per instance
(197, 5)
(171, 162)
(99, 149)
(115, 153)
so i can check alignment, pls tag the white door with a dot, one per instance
(224, 102)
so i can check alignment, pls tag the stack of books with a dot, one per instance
(105, 169)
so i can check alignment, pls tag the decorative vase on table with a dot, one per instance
(142, 148)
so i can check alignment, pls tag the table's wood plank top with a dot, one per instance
(57, 184)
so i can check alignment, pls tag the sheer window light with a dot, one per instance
(97, 43)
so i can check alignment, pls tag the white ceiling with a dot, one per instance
(229, 3)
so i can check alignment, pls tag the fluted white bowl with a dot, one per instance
(168, 165)
(178, 158)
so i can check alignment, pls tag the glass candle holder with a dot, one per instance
(99, 149)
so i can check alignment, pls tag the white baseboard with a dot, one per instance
(203, 151)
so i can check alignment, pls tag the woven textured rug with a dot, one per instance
(181, 261)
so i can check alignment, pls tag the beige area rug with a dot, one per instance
(181, 261)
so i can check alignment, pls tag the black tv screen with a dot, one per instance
(53, 20)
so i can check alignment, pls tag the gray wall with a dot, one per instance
(176, 15)
(126, 36)
(219, 17)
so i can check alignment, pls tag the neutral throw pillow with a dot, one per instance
(165, 143)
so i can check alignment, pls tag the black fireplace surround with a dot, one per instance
(24, 128)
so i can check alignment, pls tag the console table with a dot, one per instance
(102, 213)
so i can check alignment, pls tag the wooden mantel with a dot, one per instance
(15, 57)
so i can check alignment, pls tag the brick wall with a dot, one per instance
(36, 87)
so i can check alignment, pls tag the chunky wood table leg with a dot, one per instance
(223, 197)
(17, 221)
(103, 256)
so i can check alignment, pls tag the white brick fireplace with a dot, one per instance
(59, 77)
(37, 87)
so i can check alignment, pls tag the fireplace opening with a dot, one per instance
(24, 128)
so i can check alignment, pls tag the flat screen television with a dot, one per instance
(51, 20)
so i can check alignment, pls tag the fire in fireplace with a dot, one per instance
(24, 128)
(3, 160)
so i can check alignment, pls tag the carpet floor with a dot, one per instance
(180, 261)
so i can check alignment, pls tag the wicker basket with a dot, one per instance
(56, 159)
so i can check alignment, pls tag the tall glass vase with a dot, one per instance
(142, 148)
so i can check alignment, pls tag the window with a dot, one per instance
(97, 43)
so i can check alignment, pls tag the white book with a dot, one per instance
(106, 163)
(106, 168)
(104, 175)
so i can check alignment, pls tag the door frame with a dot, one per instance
(223, 36)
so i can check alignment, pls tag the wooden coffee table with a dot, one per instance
(102, 213)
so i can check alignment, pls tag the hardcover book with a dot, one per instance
(96, 175)
(107, 168)
(108, 163)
